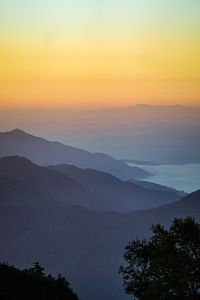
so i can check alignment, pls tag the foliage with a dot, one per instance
(167, 266)
(32, 284)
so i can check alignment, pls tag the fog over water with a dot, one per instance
(184, 177)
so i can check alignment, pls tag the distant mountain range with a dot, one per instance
(65, 208)
(160, 134)
(44, 152)
(84, 245)
(95, 190)
(157, 187)
(22, 179)
(122, 196)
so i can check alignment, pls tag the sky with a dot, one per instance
(93, 54)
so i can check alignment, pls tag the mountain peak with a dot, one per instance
(15, 160)
(46, 152)
(17, 131)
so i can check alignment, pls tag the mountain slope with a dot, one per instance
(44, 152)
(86, 246)
(129, 195)
(157, 187)
(21, 178)
(88, 188)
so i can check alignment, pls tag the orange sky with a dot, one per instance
(115, 53)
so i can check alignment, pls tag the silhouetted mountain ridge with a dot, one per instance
(86, 246)
(129, 195)
(157, 187)
(89, 188)
(33, 181)
(44, 152)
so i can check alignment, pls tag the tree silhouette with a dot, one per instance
(37, 269)
(167, 266)
(32, 284)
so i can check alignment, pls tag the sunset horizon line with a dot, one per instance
(91, 108)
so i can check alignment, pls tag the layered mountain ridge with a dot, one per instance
(44, 152)
(84, 245)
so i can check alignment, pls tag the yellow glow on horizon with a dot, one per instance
(108, 64)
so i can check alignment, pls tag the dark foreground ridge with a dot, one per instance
(32, 284)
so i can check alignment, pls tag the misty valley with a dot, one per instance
(73, 212)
